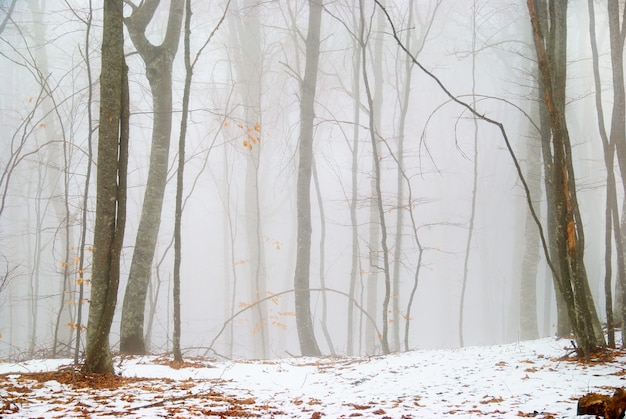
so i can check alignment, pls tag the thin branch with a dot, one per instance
(484, 118)
(270, 297)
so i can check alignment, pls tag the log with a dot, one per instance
(609, 407)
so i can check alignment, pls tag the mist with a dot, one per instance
(240, 223)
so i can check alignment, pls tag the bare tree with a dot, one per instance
(587, 335)
(111, 190)
(304, 321)
(572, 278)
(245, 30)
(617, 35)
(373, 101)
(158, 60)
(356, 273)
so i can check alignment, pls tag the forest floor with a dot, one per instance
(541, 379)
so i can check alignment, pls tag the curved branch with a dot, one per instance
(484, 118)
(231, 318)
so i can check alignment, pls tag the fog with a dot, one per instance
(239, 197)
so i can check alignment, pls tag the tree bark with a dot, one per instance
(373, 101)
(618, 118)
(355, 264)
(571, 278)
(528, 325)
(111, 190)
(304, 321)
(245, 30)
(158, 60)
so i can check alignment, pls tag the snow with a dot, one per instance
(526, 379)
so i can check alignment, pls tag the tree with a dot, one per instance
(355, 266)
(111, 190)
(180, 176)
(245, 30)
(88, 20)
(377, 214)
(304, 322)
(528, 325)
(563, 322)
(573, 282)
(158, 60)
(571, 277)
(612, 222)
(617, 136)
(405, 72)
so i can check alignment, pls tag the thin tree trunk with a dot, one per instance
(611, 200)
(377, 193)
(111, 181)
(85, 212)
(472, 217)
(355, 271)
(618, 118)
(528, 324)
(245, 30)
(322, 268)
(158, 60)
(178, 356)
(304, 322)
(405, 89)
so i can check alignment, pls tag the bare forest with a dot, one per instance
(266, 179)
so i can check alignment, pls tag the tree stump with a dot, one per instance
(609, 407)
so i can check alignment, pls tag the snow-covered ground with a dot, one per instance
(526, 379)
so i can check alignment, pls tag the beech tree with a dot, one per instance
(571, 277)
(306, 335)
(245, 31)
(111, 190)
(617, 136)
(158, 60)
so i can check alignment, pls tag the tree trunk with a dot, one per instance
(528, 325)
(373, 101)
(322, 263)
(612, 225)
(178, 356)
(304, 321)
(245, 32)
(158, 60)
(571, 278)
(355, 265)
(111, 190)
(404, 90)
(85, 198)
(618, 121)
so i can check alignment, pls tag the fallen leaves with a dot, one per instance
(489, 399)
(101, 394)
(372, 387)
